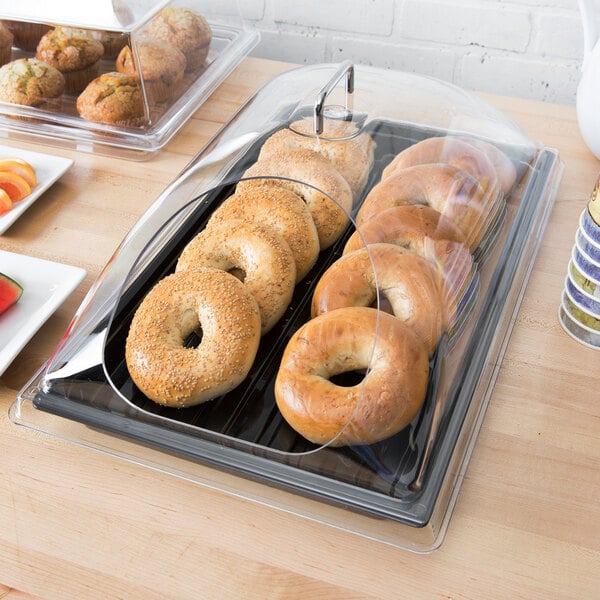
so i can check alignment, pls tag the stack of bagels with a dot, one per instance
(412, 250)
(291, 204)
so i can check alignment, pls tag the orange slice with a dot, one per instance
(5, 202)
(20, 167)
(14, 185)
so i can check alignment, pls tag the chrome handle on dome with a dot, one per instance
(346, 69)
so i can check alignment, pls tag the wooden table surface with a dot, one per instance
(75, 523)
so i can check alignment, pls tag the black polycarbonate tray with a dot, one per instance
(244, 432)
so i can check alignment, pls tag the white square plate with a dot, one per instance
(46, 285)
(48, 169)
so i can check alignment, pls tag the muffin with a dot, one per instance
(113, 98)
(161, 64)
(26, 35)
(112, 41)
(31, 82)
(74, 53)
(6, 42)
(186, 30)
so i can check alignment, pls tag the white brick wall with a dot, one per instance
(525, 48)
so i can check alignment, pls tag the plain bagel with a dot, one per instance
(451, 191)
(505, 168)
(425, 231)
(409, 283)
(343, 340)
(456, 151)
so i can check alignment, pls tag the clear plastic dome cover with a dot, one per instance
(400, 317)
(179, 52)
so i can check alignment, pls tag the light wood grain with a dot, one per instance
(80, 524)
(7, 593)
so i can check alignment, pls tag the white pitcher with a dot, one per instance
(588, 91)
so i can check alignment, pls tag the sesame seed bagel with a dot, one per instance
(210, 301)
(350, 152)
(327, 195)
(282, 210)
(344, 340)
(262, 258)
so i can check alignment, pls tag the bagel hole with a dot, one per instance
(238, 273)
(348, 378)
(194, 339)
(384, 304)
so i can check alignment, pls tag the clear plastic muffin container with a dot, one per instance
(178, 53)
(389, 465)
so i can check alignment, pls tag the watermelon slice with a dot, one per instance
(10, 292)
